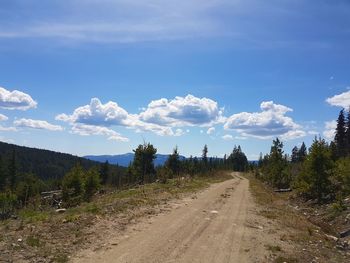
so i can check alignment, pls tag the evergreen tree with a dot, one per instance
(28, 186)
(72, 185)
(314, 181)
(130, 173)
(143, 161)
(2, 175)
(190, 167)
(261, 160)
(347, 126)
(295, 155)
(302, 153)
(104, 172)
(12, 171)
(205, 155)
(333, 149)
(91, 184)
(238, 160)
(276, 165)
(173, 162)
(8, 203)
(340, 135)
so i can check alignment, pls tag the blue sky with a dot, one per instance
(99, 77)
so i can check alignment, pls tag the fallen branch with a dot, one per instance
(344, 233)
(283, 190)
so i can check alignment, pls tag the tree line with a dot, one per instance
(321, 173)
(21, 186)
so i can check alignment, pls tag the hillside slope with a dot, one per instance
(43, 163)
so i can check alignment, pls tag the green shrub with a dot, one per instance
(8, 203)
(91, 184)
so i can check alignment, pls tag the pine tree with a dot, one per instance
(73, 185)
(12, 171)
(173, 162)
(91, 184)
(302, 153)
(261, 160)
(276, 165)
(238, 159)
(295, 155)
(340, 139)
(347, 125)
(205, 155)
(314, 181)
(2, 175)
(143, 161)
(104, 172)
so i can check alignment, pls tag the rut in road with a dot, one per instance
(210, 228)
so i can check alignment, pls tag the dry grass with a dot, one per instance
(298, 229)
(52, 237)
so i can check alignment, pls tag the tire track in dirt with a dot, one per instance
(211, 228)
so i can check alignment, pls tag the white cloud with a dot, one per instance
(329, 131)
(37, 124)
(96, 113)
(161, 116)
(110, 114)
(270, 122)
(133, 122)
(87, 130)
(340, 100)
(182, 111)
(3, 139)
(3, 117)
(293, 134)
(179, 132)
(227, 137)
(2, 128)
(313, 132)
(15, 100)
(211, 130)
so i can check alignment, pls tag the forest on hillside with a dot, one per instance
(26, 172)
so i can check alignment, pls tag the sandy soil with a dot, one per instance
(219, 224)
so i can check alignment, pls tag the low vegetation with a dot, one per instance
(310, 240)
(321, 174)
(54, 236)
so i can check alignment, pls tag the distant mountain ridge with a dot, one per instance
(126, 159)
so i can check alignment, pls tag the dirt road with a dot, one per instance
(215, 226)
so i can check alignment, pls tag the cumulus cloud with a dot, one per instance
(227, 137)
(329, 131)
(3, 117)
(340, 100)
(182, 111)
(37, 124)
(16, 100)
(211, 130)
(270, 122)
(133, 122)
(160, 117)
(96, 113)
(86, 130)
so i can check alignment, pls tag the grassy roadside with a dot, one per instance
(310, 242)
(46, 236)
